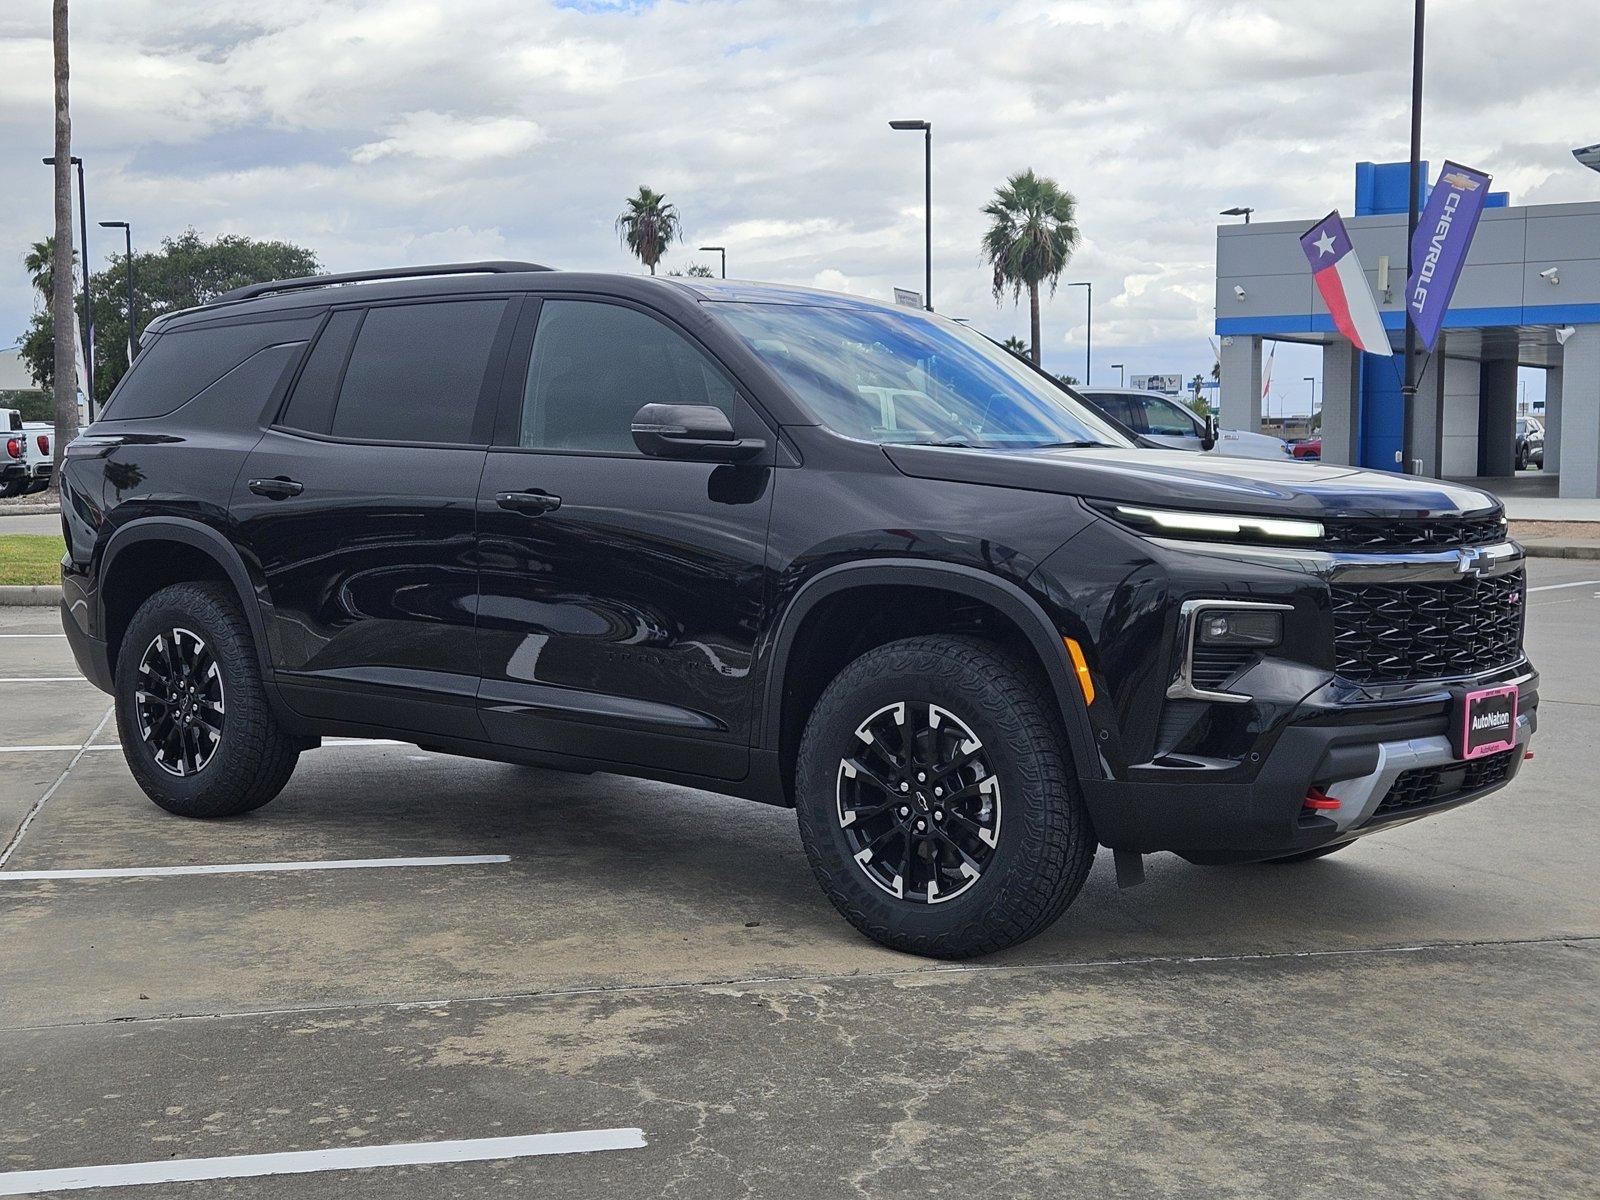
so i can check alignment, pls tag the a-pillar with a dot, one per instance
(1241, 383)
(1580, 414)
(1341, 399)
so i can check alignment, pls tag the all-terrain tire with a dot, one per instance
(252, 758)
(1045, 844)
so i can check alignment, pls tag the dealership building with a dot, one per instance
(1529, 296)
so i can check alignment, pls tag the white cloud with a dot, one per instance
(378, 131)
(434, 135)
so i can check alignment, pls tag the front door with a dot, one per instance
(621, 595)
(358, 507)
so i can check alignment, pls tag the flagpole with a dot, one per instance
(1408, 391)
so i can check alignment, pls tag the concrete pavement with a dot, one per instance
(1415, 1015)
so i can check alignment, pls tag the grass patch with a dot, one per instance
(30, 558)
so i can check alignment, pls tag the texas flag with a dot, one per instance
(1343, 284)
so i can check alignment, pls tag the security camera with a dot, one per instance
(1238, 292)
(1551, 275)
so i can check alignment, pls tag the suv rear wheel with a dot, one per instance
(935, 800)
(192, 712)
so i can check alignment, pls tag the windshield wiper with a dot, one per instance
(1079, 445)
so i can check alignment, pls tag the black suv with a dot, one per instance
(798, 547)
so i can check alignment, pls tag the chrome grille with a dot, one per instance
(1389, 632)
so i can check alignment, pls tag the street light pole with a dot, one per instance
(1408, 392)
(1122, 376)
(88, 312)
(1088, 334)
(927, 205)
(722, 250)
(127, 235)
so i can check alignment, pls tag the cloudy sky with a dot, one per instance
(410, 131)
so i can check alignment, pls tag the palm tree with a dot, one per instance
(1016, 345)
(648, 226)
(1033, 234)
(66, 377)
(38, 262)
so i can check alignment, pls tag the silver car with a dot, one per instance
(1164, 420)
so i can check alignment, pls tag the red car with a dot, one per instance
(1310, 448)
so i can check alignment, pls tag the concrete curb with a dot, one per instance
(21, 595)
(29, 510)
(1562, 549)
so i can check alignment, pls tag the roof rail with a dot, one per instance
(251, 291)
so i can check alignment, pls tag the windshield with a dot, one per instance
(885, 376)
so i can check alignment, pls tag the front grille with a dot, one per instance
(1412, 533)
(1389, 632)
(1427, 786)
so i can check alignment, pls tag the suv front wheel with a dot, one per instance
(935, 800)
(192, 711)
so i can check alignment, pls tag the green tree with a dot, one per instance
(39, 263)
(694, 271)
(187, 270)
(648, 225)
(1031, 237)
(1017, 346)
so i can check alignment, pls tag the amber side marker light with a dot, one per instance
(1080, 668)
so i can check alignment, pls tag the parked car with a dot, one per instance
(1310, 449)
(1530, 443)
(671, 529)
(16, 470)
(1168, 423)
(40, 438)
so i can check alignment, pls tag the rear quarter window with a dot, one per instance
(182, 363)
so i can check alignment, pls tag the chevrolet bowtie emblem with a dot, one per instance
(1462, 183)
(1467, 561)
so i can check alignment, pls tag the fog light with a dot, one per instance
(1241, 628)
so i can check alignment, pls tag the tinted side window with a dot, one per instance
(1118, 408)
(311, 406)
(595, 365)
(417, 370)
(1166, 418)
(182, 363)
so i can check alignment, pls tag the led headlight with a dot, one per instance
(1177, 523)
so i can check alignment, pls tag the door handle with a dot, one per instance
(277, 489)
(532, 503)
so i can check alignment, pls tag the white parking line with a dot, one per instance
(301, 1162)
(44, 679)
(328, 864)
(16, 838)
(1550, 587)
(32, 635)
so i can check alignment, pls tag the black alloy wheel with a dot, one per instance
(180, 702)
(919, 802)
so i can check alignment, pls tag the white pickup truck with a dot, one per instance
(26, 461)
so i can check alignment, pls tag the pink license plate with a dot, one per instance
(1489, 721)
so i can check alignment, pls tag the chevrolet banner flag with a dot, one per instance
(1439, 249)
(1343, 284)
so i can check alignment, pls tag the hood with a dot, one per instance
(1180, 479)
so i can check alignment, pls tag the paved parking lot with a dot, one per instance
(653, 973)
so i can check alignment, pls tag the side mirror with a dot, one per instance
(1208, 439)
(694, 431)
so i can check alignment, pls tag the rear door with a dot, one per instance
(618, 618)
(358, 506)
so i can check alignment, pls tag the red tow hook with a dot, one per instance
(1319, 800)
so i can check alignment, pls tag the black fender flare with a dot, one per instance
(1002, 594)
(203, 538)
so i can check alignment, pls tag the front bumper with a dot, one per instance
(1360, 757)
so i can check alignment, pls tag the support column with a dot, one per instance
(1552, 420)
(1341, 393)
(1459, 448)
(1580, 414)
(1241, 383)
(1497, 418)
(1424, 414)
